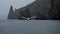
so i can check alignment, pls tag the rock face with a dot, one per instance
(10, 15)
(34, 8)
(25, 13)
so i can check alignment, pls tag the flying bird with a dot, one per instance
(28, 18)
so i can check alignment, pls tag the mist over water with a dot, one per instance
(29, 27)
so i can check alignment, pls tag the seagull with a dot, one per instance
(28, 18)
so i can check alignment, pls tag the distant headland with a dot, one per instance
(42, 9)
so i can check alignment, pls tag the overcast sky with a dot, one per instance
(5, 5)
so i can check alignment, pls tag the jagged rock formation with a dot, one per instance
(39, 8)
(10, 15)
(36, 6)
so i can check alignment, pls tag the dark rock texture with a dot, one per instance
(43, 9)
(36, 6)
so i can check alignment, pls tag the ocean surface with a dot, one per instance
(30, 27)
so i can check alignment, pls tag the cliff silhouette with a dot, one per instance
(43, 9)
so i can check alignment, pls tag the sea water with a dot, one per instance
(29, 27)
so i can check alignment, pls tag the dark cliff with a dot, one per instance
(41, 8)
(11, 13)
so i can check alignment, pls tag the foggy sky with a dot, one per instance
(5, 5)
